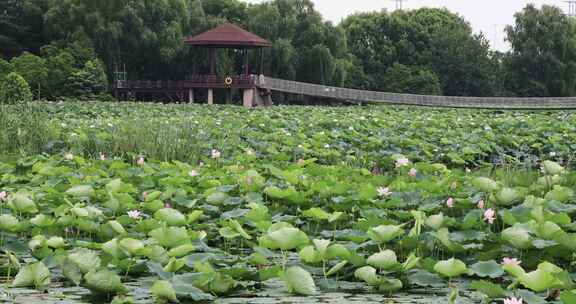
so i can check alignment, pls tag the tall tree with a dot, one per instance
(543, 57)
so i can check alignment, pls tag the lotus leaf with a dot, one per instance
(298, 281)
(451, 268)
(34, 275)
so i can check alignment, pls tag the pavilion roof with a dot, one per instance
(228, 36)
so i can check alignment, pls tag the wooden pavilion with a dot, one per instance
(226, 36)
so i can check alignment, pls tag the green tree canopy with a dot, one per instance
(543, 57)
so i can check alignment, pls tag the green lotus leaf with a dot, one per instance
(194, 216)
(104, 282)
(22, 202)
(112, 248)
(485, 184)
(435, 221)
(34, 275)
(217, 198)
(238, 228)
(514, 270)
(552, 168)
(560, 194)
(40, 220)
(389, 285)
(492, 290)
(443, 235)
(181, 250)
(451, 268)
(487, 269)
(36, 242)
(316, 213)
(170, 216)
(8, 222)
(337, 251)
(517, 237)
(81, 191)
(170, 237)
(367, 274)
(117, 227)
(174, 265)
(549, 181)
(131, 246)
(385, 260)
(507, 196)
(309, 255)
(321, 246)
(56, 242)
(385, 233)
(539, 280)
(336, 268)
(411, 262)
(86, 260)
(425, 279)
(163, 291)
(298, 281)
(284, 238)
(547, 230)
(568, 297)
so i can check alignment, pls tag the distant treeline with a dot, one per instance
(71, 48)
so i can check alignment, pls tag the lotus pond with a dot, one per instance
(142, 203)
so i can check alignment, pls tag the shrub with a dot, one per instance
(14, 89)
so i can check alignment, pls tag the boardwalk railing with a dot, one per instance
(300, 88)
(196, 81)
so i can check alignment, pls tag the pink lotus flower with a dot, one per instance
(193, 173)
(69, 156)
(513, 301)
(3, 195)
(140, 161)
(383, 191)
(401, 162)
(215, 154)
(450, 202)
(103, 157)
(301, 162)
(481, 204)
(167, 205)
(490, 216)
(135, 214)
(511, 261)
(145, 195)
(413, 172)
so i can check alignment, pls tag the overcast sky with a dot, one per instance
(487, 16)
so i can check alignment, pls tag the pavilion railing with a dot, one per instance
(195, 81)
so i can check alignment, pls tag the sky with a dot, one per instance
(486, 16)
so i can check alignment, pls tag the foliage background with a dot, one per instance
(71, 48)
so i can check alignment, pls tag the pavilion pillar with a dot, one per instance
(261, 70)
(246, 62)
(190, 96)
(210, 96)
(249, 96)
(212, 59)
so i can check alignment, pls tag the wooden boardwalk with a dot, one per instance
(503, 103)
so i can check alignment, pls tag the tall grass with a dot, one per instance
(24, 129)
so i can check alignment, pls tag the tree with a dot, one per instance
(33, 69)
(435, 38)
(21, 26)
(14, 90)
(414, 80)
(88, 82)
(145, 35)
(5, 68)
(543, 57)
